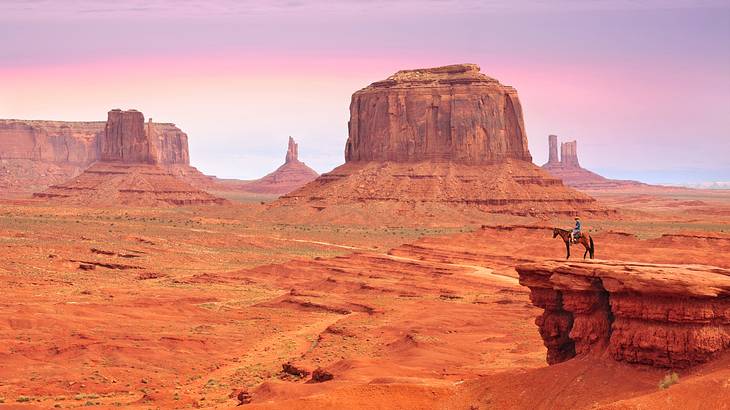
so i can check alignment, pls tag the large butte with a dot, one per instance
(439, 143)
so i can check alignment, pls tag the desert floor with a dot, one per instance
(187, 307)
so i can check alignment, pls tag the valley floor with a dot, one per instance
(187, 307)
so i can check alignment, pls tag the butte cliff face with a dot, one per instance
(293, 174)
(134, 168)
(568, 169)
(431, 142)
(660, 315)
(452, 113)
(36, 154)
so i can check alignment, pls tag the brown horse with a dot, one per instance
(585, 240)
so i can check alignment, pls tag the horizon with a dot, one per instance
(643, 87)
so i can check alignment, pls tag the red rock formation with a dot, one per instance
(451, 113)
(135, 168)
(569, 171)
(124, 138)
(292, 175)
(569, 154)
(292, 151)
(553, 145)
(169, 143)
(425, 140)
(72, 143)
(36, 154)
(660, 315)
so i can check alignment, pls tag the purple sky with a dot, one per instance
(644, 86)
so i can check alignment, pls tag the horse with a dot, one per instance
(584, 239)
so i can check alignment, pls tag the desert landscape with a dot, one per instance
(425, 271)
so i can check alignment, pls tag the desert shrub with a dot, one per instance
(668, 380)
(23, 399)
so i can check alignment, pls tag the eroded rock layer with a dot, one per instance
(515, 187)
(660, 315)
(36, 154)
(115, 183)
(451, 113)
(293, 174)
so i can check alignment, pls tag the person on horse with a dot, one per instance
(575, 233)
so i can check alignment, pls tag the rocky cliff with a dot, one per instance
(567, 168)
(73, 143)
(125, 139)
(293, 174)
(139, 164)
(660, 315)
(36, 154)
(452, 113)
(81, 143)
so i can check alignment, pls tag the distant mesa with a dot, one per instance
(293, 174)
(36, 154)
(568, 169)
(436, 140)
(133, 168)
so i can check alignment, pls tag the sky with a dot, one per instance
(643, 86)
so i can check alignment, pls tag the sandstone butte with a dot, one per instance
(36, 154)
(136, 167)
(672, 316)
(293, 174)
(568, 169)
(427, 140)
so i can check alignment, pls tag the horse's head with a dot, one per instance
(555, 232)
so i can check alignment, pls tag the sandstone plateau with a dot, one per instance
(661, 315)
(36, 154)
(427, 141)
(135, 168)
(568, 169)
(293, 174)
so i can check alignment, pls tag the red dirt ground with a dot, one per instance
(181, 308)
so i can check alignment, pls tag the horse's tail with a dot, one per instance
(593, 247)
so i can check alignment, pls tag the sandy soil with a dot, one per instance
(181, 308)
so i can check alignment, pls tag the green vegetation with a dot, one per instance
(668, 380)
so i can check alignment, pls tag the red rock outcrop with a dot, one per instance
(138, 165)
(125, 139)
(553, 158)
(568, 169)
(660, 315)
(452, 113)
(430, 139)
(292, 175)
(36, 154)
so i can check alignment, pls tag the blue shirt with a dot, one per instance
(577, 226)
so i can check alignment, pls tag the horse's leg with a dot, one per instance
(567, 249)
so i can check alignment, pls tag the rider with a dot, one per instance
(575, 233)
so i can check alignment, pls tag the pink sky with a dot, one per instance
(643, 86)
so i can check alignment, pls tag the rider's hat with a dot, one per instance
(577, 218)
